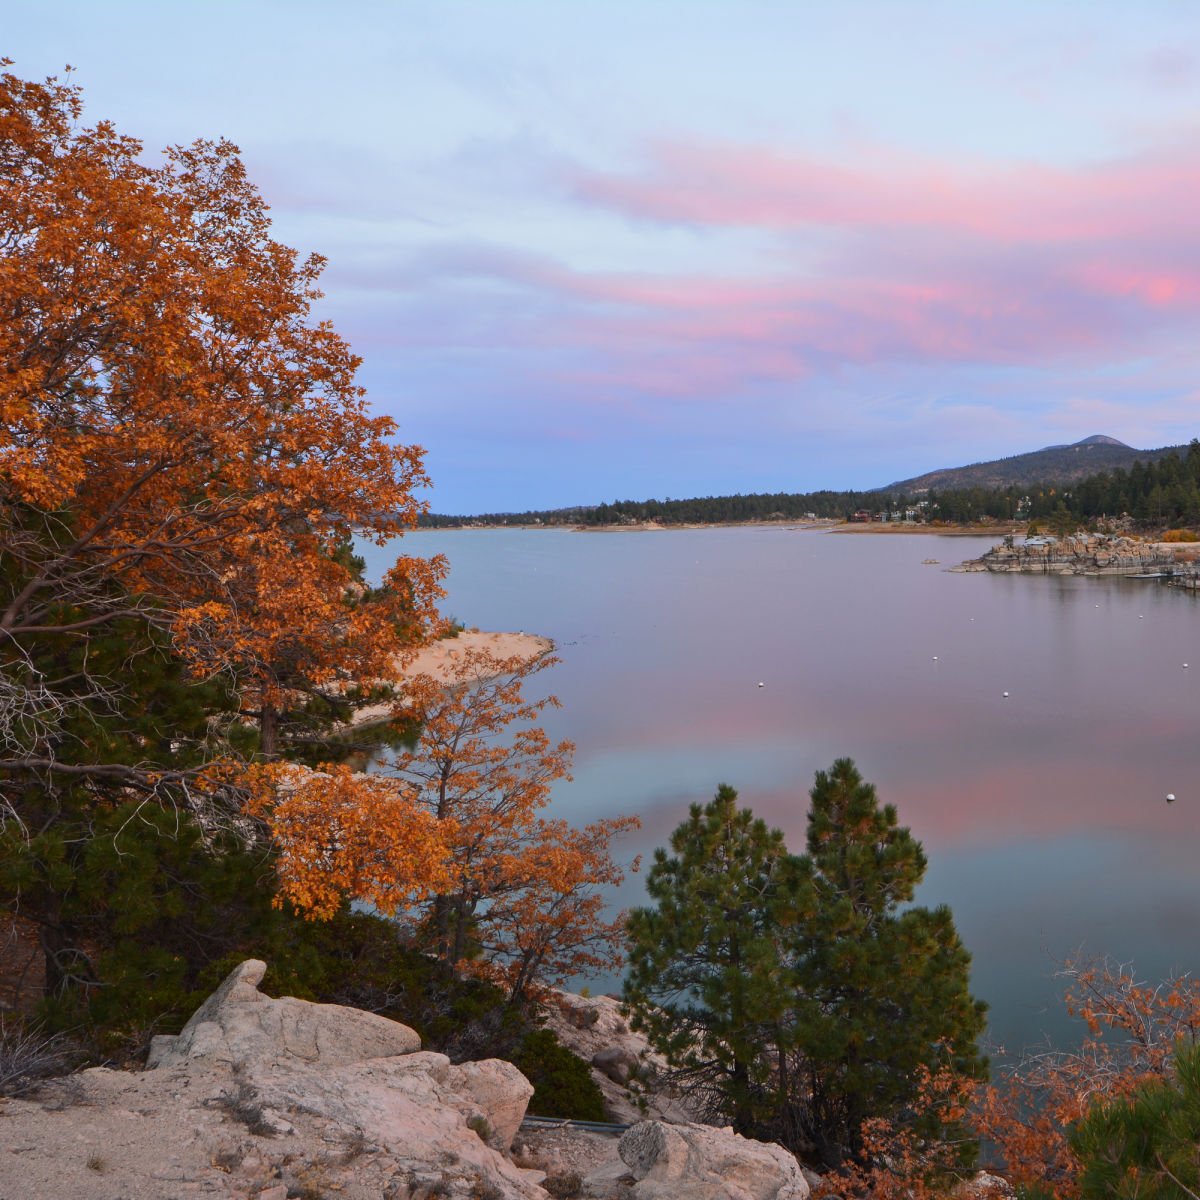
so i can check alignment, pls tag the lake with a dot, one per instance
(1043, 814)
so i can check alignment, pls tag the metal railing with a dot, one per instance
(569, 1123)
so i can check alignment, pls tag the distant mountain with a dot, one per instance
(1052, 464)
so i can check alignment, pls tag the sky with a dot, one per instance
(603, 249)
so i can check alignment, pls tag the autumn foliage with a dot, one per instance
(451, 835)
(184, 458)
(185, 461)
(522, 890)
(181, 442)
(1132, 1032)
(339, 835)
(898, 1160)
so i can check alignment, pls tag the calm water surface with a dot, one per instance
(1043, 814)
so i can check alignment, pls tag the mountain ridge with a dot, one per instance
(1052, 464)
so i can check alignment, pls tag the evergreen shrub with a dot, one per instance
(562, 1082)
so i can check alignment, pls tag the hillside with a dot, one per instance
(1099, 468)
(1052, 464)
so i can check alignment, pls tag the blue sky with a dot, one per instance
(591, 250)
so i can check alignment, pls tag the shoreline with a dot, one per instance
(437, 658)
(796, 525)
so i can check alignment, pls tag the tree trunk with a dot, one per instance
(56, 952)
(268, 732)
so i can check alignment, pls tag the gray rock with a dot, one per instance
(501, 1092)
(697, 1162)
(617, 1062)
(238, 1026)
(417, 1108)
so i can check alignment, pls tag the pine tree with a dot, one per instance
(798, 987)
(886, 991)
(72, 824)
(707, 979)
(1144, 1146)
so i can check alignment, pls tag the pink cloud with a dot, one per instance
(896, 259)
(731, 185)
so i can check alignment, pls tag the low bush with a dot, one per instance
(562, 1082)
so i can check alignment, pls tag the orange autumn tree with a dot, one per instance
(183, 447)
(522, 890)
(338, 834)
(1132, 1031)
(898, 1161)
(548, 924)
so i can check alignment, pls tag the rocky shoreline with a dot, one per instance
(1077, 554)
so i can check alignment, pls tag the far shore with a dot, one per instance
(891, 527)
(437, 660)
(821, 526)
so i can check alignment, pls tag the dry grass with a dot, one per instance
(28, 1055)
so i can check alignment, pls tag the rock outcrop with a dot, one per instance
(698, 1162)
(266, 1099)
(238, 1026)
(627, 1070)
(1079, 554)
(270, 1098)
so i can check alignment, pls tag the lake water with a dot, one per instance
(1043, 814)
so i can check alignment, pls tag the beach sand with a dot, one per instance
(437, 659)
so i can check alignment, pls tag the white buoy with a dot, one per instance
(1170, 797)
(1140, 617)
(760, 683)
(1006, 695)
(935, 658)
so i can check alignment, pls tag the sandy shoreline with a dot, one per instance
(437, 659)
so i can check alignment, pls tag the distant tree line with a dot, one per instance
(1166, 492)
(701, 510)
(1155, 494)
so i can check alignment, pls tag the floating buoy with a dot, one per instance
(1170, 797)
(1140, 617)
(935, 658)
(1006, 695)
(760, 683)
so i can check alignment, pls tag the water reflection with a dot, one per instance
(1043, 813)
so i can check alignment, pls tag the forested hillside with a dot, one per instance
(1053, 464)
(1162, 492)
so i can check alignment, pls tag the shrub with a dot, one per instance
(29, 1055)
(363, 961)
(565, 1186)
(562, 1082)
(1180, 535)
(164, 920)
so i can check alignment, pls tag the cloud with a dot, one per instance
(747, 185)
(897, 295)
